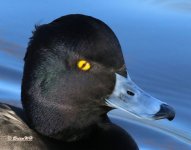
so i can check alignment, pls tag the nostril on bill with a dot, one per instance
(130, 93)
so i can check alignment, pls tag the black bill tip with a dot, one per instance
(165, 111)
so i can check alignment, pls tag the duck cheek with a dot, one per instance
(105, 83)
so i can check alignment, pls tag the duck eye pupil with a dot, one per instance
(130, 93)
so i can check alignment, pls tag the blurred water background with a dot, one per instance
(155, 36)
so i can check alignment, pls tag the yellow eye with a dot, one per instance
(83, 65)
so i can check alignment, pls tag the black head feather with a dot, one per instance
(60, 100)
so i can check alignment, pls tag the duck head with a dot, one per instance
(75, 73)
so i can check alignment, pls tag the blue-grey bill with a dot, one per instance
(129, 97)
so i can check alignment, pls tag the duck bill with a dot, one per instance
(129, 97)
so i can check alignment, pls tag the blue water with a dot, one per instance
(155, 36)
